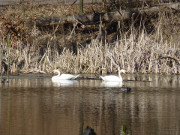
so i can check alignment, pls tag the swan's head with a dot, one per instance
(123, 71)
(56, 71)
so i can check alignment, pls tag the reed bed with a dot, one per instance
(137, 55)
(136, 51)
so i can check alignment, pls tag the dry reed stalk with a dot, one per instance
(138, 52)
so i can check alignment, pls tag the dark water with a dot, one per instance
(36, 106)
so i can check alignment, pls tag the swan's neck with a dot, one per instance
(59, 73)
(119, 72)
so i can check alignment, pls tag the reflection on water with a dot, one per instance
(111, 84)
(64, 83)
(36, 106)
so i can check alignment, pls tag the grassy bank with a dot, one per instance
(145, 46)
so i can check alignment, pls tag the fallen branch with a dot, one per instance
(168, 57)
(95, 18)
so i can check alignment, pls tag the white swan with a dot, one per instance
(113, 78)
(60, 77)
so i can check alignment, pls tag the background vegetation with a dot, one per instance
(144, 44)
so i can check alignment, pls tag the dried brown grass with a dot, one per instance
(136, 51)
(141, 55)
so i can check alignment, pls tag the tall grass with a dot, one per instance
(141, 54)
(136, 52)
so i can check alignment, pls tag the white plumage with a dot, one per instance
(114, 78)
(59, 77)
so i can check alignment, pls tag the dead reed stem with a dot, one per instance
(137, 53)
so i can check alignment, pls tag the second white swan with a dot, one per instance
(59, 77)
(113, 78)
